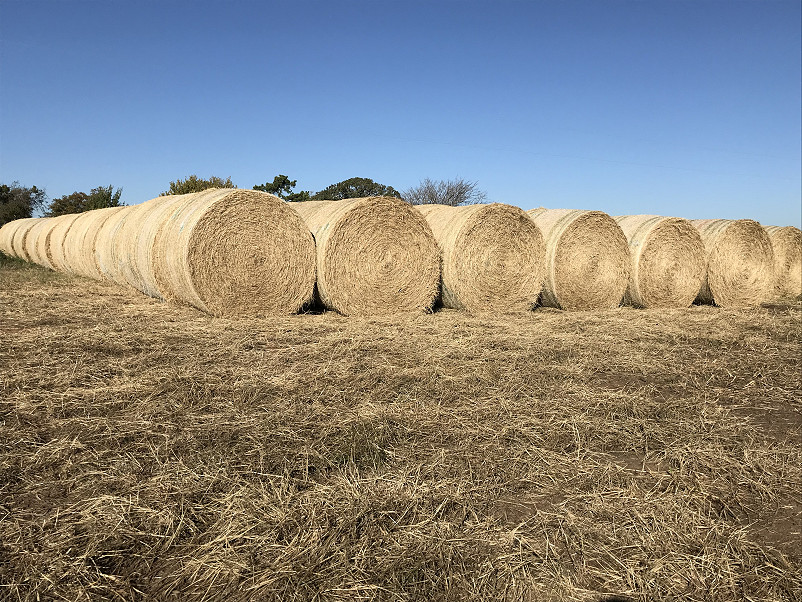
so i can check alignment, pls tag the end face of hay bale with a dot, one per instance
(587, 259)
(668, 260)
(740, 263)
(375, 255)
(236, 252)
(786, 243)
(493, 256)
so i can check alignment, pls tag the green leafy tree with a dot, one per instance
(445, 192)
(195, 184)
(355, 188)
(282, 187)
(17, 202)
(78, 202)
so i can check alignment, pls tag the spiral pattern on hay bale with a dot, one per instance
(375, 255)
(739, 262)
(587, 259)
(493, 256)
(234, 252)
(786, 244)
(668, 260)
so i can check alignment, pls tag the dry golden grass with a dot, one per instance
(151, 452)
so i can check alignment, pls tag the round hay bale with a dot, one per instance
(375, 255)
(150, 222)
(739, 260)
(668, 260)
(587, 259)
(106, 246)
(55, 241)
(493, 256)
(73, 242)
(31, 241)
(6, 235)
(43, 242)
(786, 243)
(85, 241)
(234, 252)
(19, 235)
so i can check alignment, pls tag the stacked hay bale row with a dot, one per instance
(245, 252)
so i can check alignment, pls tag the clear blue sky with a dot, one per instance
(668, 107)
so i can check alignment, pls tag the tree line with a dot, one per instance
(17, 201)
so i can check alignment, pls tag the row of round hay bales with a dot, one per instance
(236, 251)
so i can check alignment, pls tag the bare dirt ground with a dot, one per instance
(150, 452)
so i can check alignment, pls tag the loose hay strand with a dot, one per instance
(668, 260)
(587, 259)
(739, 263)
(375, 255)
(493, 256)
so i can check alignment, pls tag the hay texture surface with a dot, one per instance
(7, 235)
(587, 259)
(375, 255)
(493, 256)
(18, 236)
(786, 243)
(668, 260)
(31, 242)
(87, 240)
(234, 252)
(55, 238)
(105, 246)
(740, 262)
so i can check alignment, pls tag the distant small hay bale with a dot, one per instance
(6, 234)
(31, 242)
(587, 259)
(375, 255)
(668, 260)
(786, 243)
(739, 260)
(55, 238)
(493, 256)
(18, 236)
(234, 252)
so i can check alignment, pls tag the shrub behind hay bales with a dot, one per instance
(375, 255)
(231, 252)
(587, 259)
(493, 256)
(739, 262)
(786, 243)
(668, 260)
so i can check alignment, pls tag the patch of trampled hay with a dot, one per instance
(587, 259)
(740, 263)
(375, 255)
(234, 252)
(493, 256)
(786, 242)
(668, 260)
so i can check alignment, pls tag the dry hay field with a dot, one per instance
(152, 452)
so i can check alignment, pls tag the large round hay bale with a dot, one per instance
(740, 264)
(55, 238)
(375, 255)
(668, 260)
(31, 241)
(493, 256)
(86, 241)
(141, 249)
(43, 242)
(786, 243)
(19, 235)
(234, 252)
(105, 246)
(587, 259)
